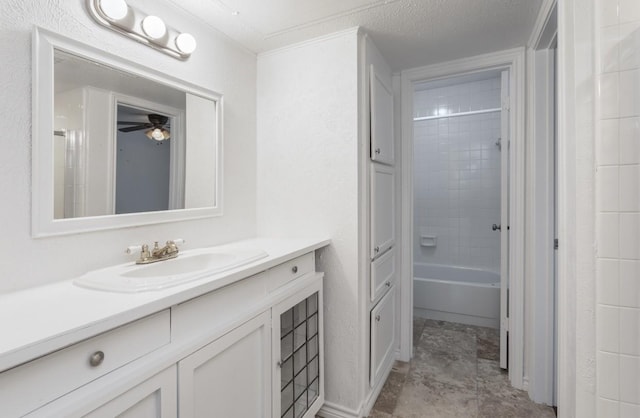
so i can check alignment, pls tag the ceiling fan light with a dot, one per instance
(155, 134)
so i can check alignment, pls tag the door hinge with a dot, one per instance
(505, 324)
(555, 244)
(506, 103)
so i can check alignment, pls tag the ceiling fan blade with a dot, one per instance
(130, 123)
(135, 128)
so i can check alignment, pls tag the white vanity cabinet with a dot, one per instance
(250, 349)
(230, 377)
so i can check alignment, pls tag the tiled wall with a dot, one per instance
(457, 176)
(618, 205)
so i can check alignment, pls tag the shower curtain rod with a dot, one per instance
(453, 115)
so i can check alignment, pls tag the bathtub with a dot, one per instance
(456, 294)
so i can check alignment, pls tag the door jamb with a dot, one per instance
(514, 61)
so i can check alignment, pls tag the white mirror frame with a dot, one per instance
(42, 219)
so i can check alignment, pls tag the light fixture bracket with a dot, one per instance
(131, 26)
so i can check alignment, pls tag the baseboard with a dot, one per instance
(331, 410)
(375, 392)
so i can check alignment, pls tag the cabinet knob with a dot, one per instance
(378, 318)
(377, 249)
(294, 269)
(279, 363)
(378, 151)
(96, 359)
(388, 283)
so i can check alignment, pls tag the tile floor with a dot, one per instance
(454, 373)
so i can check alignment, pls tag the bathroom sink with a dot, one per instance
(188, 266)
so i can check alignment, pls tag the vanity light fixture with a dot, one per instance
(186, 43)
(114, 9)
(147, 29)
(154, 27)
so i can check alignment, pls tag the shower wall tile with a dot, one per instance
(457, 175)
(618, 224)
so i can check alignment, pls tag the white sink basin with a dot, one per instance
(188, 266)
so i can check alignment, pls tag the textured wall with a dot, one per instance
(308, 180)
(618, 210)
(218, 64)
(457, 176)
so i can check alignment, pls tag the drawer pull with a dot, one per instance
(378, 318)
(378, 151)
(377, 249)
(294, 269)
(96, 359)
(388, 283)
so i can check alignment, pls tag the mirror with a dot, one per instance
(117, 144)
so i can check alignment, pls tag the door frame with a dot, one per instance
(541, 310)
(514, 61)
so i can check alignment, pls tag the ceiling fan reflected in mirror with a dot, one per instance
(156, 129)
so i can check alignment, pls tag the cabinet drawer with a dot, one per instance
(292, 269)
(27, 387)
(382, 334)
(383, 274)
(204, 314)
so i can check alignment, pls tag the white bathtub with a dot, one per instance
(456, 294)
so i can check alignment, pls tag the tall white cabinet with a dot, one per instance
(326, 164)
(382, 218)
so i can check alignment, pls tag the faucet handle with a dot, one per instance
(178, 241)
(144, 251)
(133, 248)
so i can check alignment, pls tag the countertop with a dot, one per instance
(39, 320)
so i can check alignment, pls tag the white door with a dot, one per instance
(382, 209)
(504, 221)
(381, 119)
(231, 375)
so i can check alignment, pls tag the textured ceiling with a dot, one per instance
(409, 33)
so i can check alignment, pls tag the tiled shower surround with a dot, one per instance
(618, 205)
(457, 175)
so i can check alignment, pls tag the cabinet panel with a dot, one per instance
(382, 209)
(383, 274)
(298, 381)
(33, 384)
(381, 119)
(154, 398)
(230, 377)
(382, 333)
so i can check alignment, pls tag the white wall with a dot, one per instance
(457, 175)
(618, 210)
(308, 181)
(218, 65)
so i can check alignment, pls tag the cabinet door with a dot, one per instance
(154, 398)
(382, 333)
(383, 274)
(381, 119)
(382, 209)
(231, 376)
(298, 386)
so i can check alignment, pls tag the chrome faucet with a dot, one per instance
(170, 250)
